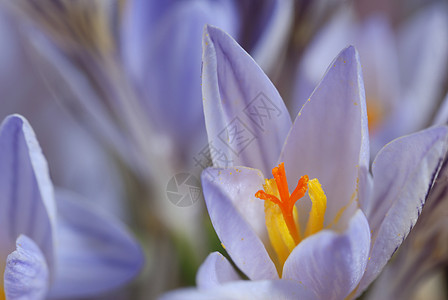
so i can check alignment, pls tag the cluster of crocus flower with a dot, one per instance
(329, 235)
(312, 207)
(53, 243)
(133, 86)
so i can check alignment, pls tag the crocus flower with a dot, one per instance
(324, 226)
(53, 245)
(404, 68)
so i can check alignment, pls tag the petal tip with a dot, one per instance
(211, 29)
(14, 120)
(215, 34)
(349, 54)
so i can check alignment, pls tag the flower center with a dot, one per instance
(281, 215)
(2, 293)
(375, 114)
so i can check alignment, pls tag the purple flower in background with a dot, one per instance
(333, 234)
(404, 67)
(145, 98)
(161, 50)
(79, 163)
(136, 79)
(54, 244)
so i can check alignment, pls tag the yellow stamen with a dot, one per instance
(2, 293)
(279, 234)
(281, 216)
(319, 205)
(281, 240)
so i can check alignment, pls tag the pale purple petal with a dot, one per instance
(246, 118)
(329, 138)
(95, 252)
(238, 218)
(26, 273)
(266, 289)
(214, 271)
(329, 263)
(403, 173)
(26, 192)
(424, 57)
(424, 250)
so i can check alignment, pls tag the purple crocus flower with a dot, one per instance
(404, 68)
(333, 234)
(53, 244)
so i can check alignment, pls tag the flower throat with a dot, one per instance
(282, 221)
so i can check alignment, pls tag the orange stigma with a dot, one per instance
(286, 201)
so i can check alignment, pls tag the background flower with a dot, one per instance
(403, 86)
(62, 243)
(78, 163)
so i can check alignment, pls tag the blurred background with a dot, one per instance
(112, 89)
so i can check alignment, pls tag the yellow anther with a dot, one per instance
(319, 205)
(279, 235)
